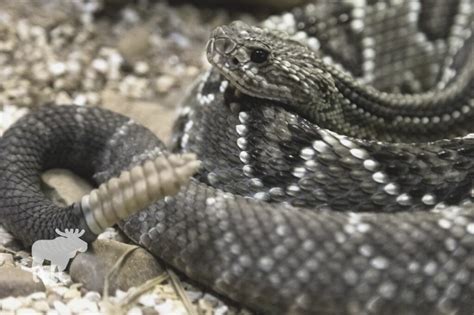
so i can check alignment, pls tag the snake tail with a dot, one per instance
(135, 189)
(86, 141)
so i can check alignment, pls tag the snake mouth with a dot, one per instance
(227, 66)
(242, 88)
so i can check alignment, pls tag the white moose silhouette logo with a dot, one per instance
(59, 250)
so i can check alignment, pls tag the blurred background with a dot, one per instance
(133, 56)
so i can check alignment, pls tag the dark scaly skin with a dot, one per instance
(84, 140)
(294, 75)
(385, 251)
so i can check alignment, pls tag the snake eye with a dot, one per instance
(259, 55)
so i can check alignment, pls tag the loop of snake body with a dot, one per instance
(336, 173)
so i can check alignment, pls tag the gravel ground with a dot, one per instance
(136, 59)
(70, 52)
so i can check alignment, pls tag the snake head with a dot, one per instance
(268, 64)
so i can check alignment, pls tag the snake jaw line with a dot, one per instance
(136, 188)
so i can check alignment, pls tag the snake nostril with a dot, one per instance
(224, 45)
(235, 61)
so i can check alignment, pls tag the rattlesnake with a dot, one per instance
(328, 184)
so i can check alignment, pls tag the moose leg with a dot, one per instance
(37, 261)
(61, 264)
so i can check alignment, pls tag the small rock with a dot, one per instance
(26, 311)
(92, 267)
(134, 86)
(135, 311)
(192, 71)
(6, 239)
(164, 83)
(120, 295)
(147, 310)
(100, 65)
(141, 67)
(54, 279)
(53, 296)
(204, 307)
(72, 294)
(17, 282)
(82, 306)
(148, 299)
(221, 310)
(23, 254)
(171, 307)
(41, 306)
(80, 100)
(135, 43)
(194, 295)
(63, 98)
(6, 260)
(92, 296)
(10, 304)
(24, 257)
(61, 291)
(180, 39)
(57, 68)
(110, 233)
(37, 296)
(211, 299)
(61, 308)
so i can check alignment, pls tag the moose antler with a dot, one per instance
(70, 232)
(61, 233)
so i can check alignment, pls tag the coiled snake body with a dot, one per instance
(328, 184)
